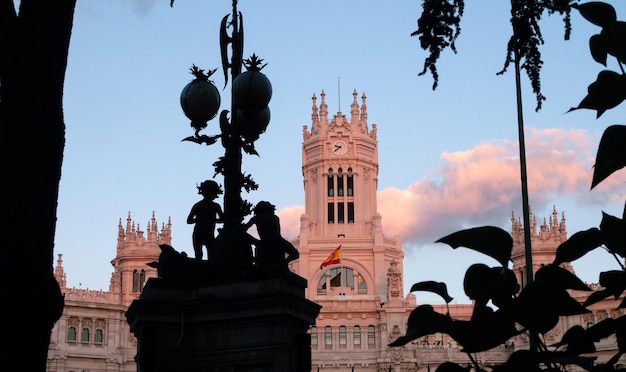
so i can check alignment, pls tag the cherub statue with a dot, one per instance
(272, 250)
(205, 214)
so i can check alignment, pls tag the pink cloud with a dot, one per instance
(290, 221)
(482, 186)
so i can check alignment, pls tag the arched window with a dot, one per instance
(84, 335)
(98, 337)
(356, 337)
(331, 183)
(328, 337)
(350, 182)
(343, 335)
(340, 182)
(342, 277)
(142, 280)
(371, 336)
(71, 334)
(313, 335)
(136, 282)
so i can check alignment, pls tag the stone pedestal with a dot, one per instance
(257, 322)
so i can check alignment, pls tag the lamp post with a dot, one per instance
(240, 127)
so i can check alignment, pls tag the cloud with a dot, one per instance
(290, 221)
(482, 186)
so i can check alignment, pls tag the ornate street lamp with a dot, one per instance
(240, 127)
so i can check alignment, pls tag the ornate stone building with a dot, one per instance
(93, 334)
(362, 294)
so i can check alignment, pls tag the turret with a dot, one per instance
(135, 249)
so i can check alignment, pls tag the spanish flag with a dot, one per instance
(333, 259)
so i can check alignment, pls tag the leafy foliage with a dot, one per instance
(501, 310)
(439, 27)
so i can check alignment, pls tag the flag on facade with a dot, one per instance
(333, 259)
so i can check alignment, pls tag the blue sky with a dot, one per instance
(448, 158)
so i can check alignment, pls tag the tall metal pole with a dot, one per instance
(522, 157)
(523, 175)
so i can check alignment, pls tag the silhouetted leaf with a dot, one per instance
(538, 306)
(610, 363)
(614, 281)
(208, 140)
(577, 341)
(608, 91)
(611, 154)
(484, 333)
(558, 277)
(490, 240)
(439, 288)
(596, 296)
(610, 40)
(249, 149)
(579, 244)
(483, 283)
(520, 360)
(599, 13)
(602, 329)
(613, 232)
(598, 48)
(423, 321)
(614, 285)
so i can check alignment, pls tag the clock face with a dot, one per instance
(339, 147)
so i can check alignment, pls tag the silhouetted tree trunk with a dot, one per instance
(34, 45)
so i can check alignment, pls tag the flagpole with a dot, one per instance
(343, 280)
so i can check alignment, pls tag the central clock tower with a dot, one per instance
(340, 171)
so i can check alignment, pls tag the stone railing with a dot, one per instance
(87, 295)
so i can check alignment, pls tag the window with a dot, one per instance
(136, 284)
(356, 337)
(350, 182)
(331, 183)
(340, 213)
(371, 336)
(331, 213)
(328, 337)
(343, 336)
(342, 277)
(84, 335)
(362, 286)
(340, 182)
(71, 334)
(98, 337)
(142, 280)
(350, 212)
(313, 335)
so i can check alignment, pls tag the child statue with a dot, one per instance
(205, 214)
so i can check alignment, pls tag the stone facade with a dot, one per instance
(362, 296)
(93, 334)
